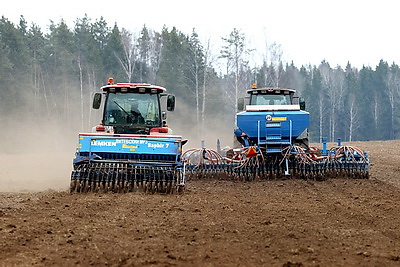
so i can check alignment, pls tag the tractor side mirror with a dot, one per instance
(170, 102)
(96, 100)
(240, 104)
(302, 103)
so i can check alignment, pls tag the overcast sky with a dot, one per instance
(309, 31)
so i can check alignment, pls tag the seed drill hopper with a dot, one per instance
(271, 141)
(132, 148)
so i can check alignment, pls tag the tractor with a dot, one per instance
(271, 141)
(132, 148)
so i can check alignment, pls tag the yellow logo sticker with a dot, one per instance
(279, 118)
(127, 146)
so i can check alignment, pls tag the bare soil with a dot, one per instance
(338, 222)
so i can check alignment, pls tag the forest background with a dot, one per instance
(47, 80)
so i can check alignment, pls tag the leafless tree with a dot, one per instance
(392, 81)
(336, 94)
(235, 52)
(130, 56)
(81, 91)
(333, 83)
(209, 60)
(326, 75)
(196, 67)
(353, 117)
(321, 109)
(276, 63)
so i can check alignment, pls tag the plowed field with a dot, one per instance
(338, 222)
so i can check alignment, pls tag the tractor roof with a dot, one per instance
(133, 88)
(270, 91)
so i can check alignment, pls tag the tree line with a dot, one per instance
(52, 75)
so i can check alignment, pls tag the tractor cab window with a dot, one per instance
(127, 109)
(270, 99)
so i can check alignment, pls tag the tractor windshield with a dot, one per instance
(270, 99)
(132, 109)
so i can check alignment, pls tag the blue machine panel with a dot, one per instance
(129, 145)
(281, 123)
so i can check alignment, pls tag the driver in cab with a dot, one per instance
(136, 117)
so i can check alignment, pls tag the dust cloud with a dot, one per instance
(36, 158)
(218, 126)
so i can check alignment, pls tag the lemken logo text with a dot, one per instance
(103, 143)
